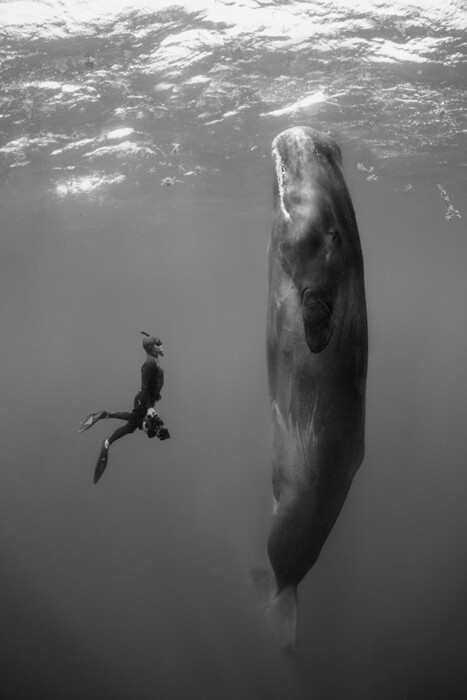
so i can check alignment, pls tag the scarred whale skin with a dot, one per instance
(317, 362)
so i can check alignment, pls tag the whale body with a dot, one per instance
(317, 352)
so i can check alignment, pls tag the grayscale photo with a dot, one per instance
(233, 284)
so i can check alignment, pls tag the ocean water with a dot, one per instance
(136, 194)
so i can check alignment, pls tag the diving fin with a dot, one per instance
(89, 421)
(101, 462)
(280, 608)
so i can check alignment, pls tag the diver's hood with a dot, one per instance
(151, 342)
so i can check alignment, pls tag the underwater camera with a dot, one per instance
(163, 434)
(152, 426)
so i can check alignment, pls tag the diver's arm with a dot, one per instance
(145, 396)
(152, 380)
(159, 383)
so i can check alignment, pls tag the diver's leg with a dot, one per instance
(92, 419)
(121, 415)
(127, 429)
(134, 420)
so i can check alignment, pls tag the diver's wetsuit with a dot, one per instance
(152, 381)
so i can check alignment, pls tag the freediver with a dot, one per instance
(143, 415)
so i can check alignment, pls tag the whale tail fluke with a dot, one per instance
(280, 608)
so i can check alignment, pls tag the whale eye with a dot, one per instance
(332, 234)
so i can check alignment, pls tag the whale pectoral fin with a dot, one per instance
(318, 322)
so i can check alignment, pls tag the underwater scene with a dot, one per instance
(136, 195)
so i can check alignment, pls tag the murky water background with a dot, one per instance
(136, 191)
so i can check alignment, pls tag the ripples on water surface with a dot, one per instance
(389, 74)
(136, 195)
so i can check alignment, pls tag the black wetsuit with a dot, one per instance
(152, 381)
